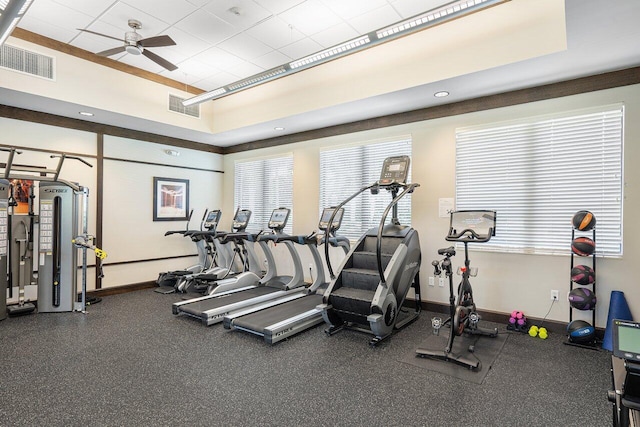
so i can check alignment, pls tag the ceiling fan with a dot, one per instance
(136, 45)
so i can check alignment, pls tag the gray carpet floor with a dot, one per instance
(130, 362)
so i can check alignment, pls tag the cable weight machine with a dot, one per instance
(62, 229)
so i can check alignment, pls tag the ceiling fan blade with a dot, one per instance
(99, 34)
(160, 61)
(157, 41)
(110, 52)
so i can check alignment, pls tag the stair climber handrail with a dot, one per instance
(333, 215)
(407, 189)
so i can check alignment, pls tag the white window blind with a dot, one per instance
(262, 186)
(345, 170)
(536, 175)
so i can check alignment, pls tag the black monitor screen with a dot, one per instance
(626, 339)
(279, 218)
(326, 216)
(242, 217)
(213, 216)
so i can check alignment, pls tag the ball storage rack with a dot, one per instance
(594, 344)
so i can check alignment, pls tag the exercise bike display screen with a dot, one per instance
(483, 223)
(626, 339)
(394, 170)
(279, 218)
(326, 216)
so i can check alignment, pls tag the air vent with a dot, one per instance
(24, 61)
(175, 104)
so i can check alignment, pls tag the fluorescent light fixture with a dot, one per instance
(326, 54)
(11, 11)
(434, 17)
(441, 94)
(420, 22)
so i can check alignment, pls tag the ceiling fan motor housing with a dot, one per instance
(131, 39)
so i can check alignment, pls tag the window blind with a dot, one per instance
(262, 186)
(345, 170)
(537, 175)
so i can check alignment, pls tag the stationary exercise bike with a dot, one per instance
(465, 227)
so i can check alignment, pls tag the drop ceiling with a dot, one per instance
(222, 41)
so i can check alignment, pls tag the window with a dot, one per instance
(345, 170)
(536, 175)
(262, 186)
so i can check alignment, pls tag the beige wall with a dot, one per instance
(505, 282)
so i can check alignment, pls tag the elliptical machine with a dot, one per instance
(465, 227)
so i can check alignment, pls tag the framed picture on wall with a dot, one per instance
(170, 199)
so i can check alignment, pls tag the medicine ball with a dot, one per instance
(583, 246)
(581, 332)
(583, 221)
(582, 299)
(583, 275)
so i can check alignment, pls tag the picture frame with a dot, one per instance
(170, 199)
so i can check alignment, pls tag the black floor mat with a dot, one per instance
(486, 351)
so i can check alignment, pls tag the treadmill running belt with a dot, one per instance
(197, 308)
(262, 319)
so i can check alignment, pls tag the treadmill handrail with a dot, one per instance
(408, 188)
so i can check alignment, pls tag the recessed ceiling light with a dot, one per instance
(278, 128)
(441, 94)
(86, 113)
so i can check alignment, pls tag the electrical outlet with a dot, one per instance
(555, 296)
(432, 281)
(441, 282)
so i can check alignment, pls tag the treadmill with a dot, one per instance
(279, 319)
(211, 309)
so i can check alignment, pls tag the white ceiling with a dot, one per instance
(216, 47)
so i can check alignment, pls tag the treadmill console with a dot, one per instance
(241, 220)
(212, 219)
(626, 339)
(326, 216)
(394, 170)
(279, 218)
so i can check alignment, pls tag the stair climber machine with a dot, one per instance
(278, 319)
(169, 281)
(212, 309)
(211, 281)
(369, 290)
(62, 222)
(465, 227)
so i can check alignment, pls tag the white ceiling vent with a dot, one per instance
(24, 61)
(175, 104)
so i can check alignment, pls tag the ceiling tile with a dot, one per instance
(301, 48)
(335, 35)
(375, 19)
(206, 26)
(119, 15)
(186, 44)
(198, 3)
(218, 58)
(247, 15)
(195, 68)
(310, 17)
(215, 81)
(93, 8)
(61, 28)
(245, 69)
(245, 46)
(352, 8)
(275, 33)
(278, 6)
(272, 59)
(409, 8)
(167, 11)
